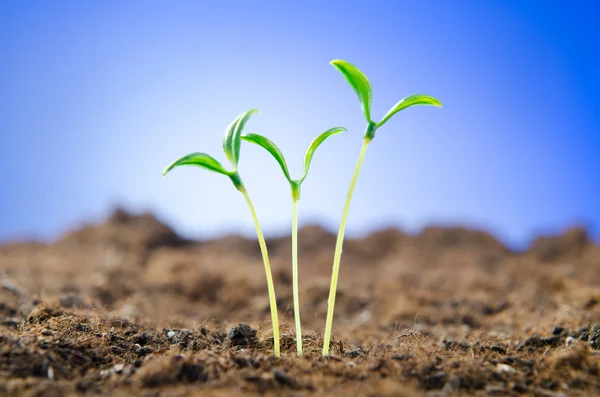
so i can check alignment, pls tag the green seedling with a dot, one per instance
(231, 146)
(295, 185)
(361, 85)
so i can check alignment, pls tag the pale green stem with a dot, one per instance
(271, 288)
(338, 250)
(295, 277)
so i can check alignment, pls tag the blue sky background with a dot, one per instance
(97, 97)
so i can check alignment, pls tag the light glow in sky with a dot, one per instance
(96, 98)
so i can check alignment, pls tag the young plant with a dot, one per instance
(295, 185)
(231, 146)
(362, 87)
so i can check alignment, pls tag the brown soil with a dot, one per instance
(127, 307)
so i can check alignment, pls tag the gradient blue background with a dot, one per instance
(97, 97)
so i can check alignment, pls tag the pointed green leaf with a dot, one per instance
(315, 144)
(271, 148)
(232, 138)
(200, 160)
(407, 102)
(359, 82)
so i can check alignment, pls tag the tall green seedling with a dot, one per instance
(361, 85)
(295, 185)
(231, 146)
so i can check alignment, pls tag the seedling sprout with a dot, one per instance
(361, 85)
(295, 185)
(231, 146)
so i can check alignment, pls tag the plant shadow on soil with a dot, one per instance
(128, 308)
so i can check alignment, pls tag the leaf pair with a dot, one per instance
(231, 147)
(361, 85)
(269, 146)
(295, 185)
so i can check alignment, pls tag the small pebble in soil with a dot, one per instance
(558, 331)
(241, 335)
(505, 368)
(569, 341)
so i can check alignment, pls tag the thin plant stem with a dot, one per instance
(295, 276)
(271, 288)
(338, 250)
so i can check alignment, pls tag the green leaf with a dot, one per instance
(232, 140)
(271, 148)
(200, 160)
(315, 144)
(407, 102)
(359, 82)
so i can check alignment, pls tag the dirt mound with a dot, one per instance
(127, 307)
(570, 245)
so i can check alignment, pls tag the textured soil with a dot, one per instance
(128, 308)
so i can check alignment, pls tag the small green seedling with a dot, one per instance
(295, 185)
(362, 87)
(231, 146)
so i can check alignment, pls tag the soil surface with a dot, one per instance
(129, 308)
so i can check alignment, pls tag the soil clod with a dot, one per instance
(242, 335)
